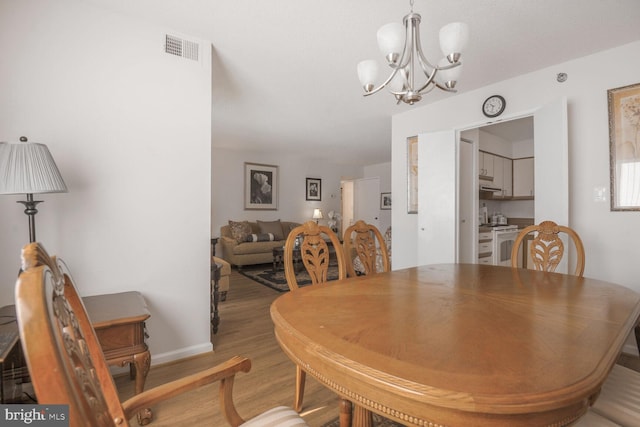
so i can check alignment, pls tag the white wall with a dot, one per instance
(611, 249)
(227, 182)
(130, 129)
(382, 171)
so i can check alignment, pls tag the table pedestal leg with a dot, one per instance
(362, 417)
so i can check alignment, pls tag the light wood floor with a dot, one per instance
(246, 330)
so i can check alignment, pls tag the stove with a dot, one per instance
(503, 227)
(497, 227)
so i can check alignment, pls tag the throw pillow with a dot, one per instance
(273, 227)
(240, 230)
(267, 237)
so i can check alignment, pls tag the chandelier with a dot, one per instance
(400, 44)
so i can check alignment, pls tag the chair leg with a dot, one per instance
(345, 413)
(300, 378)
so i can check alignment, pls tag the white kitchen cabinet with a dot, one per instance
(507, 177)
(497, 173)
(485, 247)
(523, 178)
(485, 164)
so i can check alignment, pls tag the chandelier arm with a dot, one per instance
(386, 82)
(402, 63)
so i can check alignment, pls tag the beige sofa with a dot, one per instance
(241, 253)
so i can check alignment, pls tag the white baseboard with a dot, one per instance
(170, 356)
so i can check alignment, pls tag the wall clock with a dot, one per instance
(493, 106)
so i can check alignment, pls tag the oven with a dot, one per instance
(503, 240)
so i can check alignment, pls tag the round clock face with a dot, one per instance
(493, 106)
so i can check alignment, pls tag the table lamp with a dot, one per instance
(317, 214)
(28, 168)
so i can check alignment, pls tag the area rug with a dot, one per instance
(265, 275)
(378, 421)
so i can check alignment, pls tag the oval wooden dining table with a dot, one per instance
(459, 344)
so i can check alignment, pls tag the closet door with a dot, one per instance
(437, 193)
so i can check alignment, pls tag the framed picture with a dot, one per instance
(314, 189)
(260, 186)
(412, 175)
(624, 147)
(385, 200)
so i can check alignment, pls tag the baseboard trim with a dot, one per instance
(170, 356)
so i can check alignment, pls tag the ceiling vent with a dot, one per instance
(179, 47)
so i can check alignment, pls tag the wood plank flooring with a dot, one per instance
(246, 330)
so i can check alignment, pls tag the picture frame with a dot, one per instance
(314, 189)
(260, 186)
(385, 201)
(624, 147)
(412, 175)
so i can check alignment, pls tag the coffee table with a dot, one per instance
(278, 258)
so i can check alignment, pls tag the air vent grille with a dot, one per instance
(179, 47)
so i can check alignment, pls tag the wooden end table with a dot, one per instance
(119, 322)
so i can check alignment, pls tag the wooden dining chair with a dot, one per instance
(364, 245)
(67, 366)
(546, 248)
(313, 244)
(314, 253)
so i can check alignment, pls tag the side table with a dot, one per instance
(214, 242)
(13, 368)
(118, 320)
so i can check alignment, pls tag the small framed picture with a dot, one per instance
(314, 189)
(385, 200)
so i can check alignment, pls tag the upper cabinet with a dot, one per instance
(485, 165)
(507, 177)
(523, 178)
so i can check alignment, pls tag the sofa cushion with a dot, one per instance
(255, 247)
(266, 237)
(240, 230)
(273, 227)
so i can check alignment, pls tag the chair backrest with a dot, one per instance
(367, 244)
(63, 354)
(546, 249)
(314, 253)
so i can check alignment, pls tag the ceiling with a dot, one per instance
(284, 71)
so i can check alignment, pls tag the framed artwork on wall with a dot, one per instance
(385, 201)
(624, 147)
(260, 186)
(314, 189)
(412, 175)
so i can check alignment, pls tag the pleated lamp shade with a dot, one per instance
(28, 168)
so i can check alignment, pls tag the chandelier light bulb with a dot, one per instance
(398, 83)
(368, 73)
(391, 41)
(449, 77)
(453, 39)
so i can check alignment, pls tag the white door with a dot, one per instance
(467, 224)
(551, 167)
(437, 198)
(367, 200)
